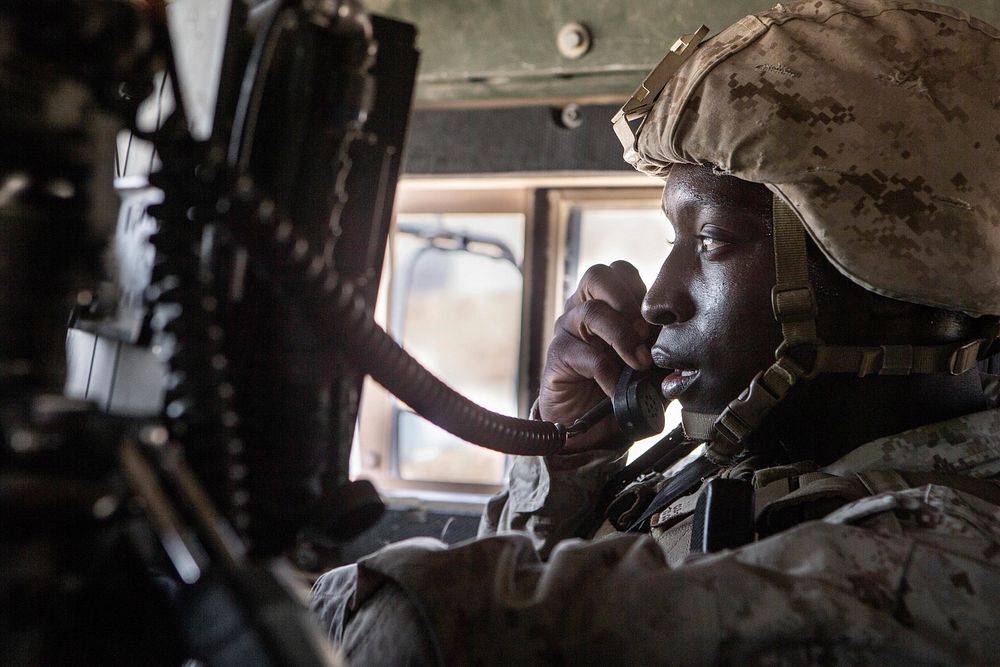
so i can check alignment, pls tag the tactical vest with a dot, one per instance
(738, 505)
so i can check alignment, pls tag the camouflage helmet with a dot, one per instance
(877, 121)
(876, 125)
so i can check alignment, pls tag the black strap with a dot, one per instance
(679, 485)
(667, 451)
(723, 517)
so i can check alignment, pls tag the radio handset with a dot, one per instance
(637, 405)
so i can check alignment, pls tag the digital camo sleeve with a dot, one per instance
(548, 497)
(914, 582)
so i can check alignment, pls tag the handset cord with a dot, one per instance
(342, 310)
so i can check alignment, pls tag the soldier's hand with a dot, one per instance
(600, 331)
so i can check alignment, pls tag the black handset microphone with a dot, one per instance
(637, 405)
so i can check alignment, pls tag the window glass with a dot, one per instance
(456, 306)
(639, 235)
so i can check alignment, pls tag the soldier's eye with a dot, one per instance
(707, 244)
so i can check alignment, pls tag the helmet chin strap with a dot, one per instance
(698, 425)
(794, 305)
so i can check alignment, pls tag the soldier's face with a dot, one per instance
(712, 296)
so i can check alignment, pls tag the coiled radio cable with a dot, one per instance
(340, 309)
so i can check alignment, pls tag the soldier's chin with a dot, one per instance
(693, 401)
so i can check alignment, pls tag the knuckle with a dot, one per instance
(605, 366)
(595, 271)
(594, 317)
(624, 334)
(602, 318)
(629, 274)
(623, 266)
(564, 355)
(590, 309)
(594, 276)
(557, 348)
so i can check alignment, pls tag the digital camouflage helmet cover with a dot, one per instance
(876, 124)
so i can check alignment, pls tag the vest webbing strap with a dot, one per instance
(743, 415)
(778, 507)
(680, 484)
(698, 425)
(794, 306)
(792, 298)
(951, 358)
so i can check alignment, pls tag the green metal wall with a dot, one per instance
(496, 51)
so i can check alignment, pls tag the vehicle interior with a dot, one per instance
(213, 430)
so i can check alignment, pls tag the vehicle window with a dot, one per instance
(455, 304)
(642, 236)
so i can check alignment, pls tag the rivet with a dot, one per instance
(574, 40)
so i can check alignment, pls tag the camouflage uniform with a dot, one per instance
(903, 577)
(905, 573)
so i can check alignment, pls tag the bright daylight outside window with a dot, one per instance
(455, 304)
(601, 235)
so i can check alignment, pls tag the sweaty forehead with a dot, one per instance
(695, 186)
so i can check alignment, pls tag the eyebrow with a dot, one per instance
(708, 199)
(691, 198)
(711, 198)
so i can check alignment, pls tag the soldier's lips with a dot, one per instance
(677, 382)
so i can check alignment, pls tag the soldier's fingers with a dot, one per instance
(588, 362)
(616, 287)
(629, 275)
(596, 322)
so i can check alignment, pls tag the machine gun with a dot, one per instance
(142, 519)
